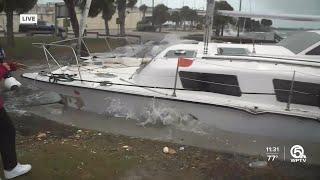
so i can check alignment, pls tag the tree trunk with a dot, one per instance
(122, 18)
(106, 25)
(10, 37)
(160, 28)
(73, 16)
(222, 29)
(217, 30)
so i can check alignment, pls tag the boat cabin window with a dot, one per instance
(232, 51)
(208, 82)
(189, 54)
(315, 51)
(303, 92)
(300, 41)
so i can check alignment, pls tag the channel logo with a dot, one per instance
(297, 153)
(28, 18)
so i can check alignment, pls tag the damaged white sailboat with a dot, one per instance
(247, 94)
(218, 85)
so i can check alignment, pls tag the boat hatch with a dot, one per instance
(315, 51)
(300, 41)
(209, 82)
(232, 51)
(187, 54)
(302, 92)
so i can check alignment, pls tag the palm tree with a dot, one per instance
(73, 16)
(184, 13)
(106, 7)
(143, 8)
(122, 7)
(161, 15)
(176, 18)
(108, 11)
(221, 21)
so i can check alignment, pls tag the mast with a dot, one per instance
(152, 13)
(82, 24)
(208, 25)
(240, 8)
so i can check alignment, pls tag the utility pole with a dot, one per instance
(240, 8)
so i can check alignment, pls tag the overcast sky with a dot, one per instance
(308, 7)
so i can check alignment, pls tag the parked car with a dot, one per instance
(42, 27)
(146, 25)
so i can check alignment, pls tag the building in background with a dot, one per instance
(46, 12)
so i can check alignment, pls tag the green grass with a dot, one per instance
(24, 51)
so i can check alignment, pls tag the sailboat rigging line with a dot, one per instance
(143, 87)
(270, 70)
(309, 74)
(244, 68)
(210, 82)
(55, 78)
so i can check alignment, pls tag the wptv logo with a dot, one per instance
(297, 152)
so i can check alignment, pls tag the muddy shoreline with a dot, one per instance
(59, 151)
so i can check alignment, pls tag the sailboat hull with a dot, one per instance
(204, 117)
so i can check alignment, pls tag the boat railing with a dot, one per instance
(45, 47)
(281, 60)
(48, 55)
(74, 39)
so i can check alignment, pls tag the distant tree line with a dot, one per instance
(248, 24)
(107, 8)
(180, 17)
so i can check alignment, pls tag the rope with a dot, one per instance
(299, 92)
(54, 78)
(210, 82)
